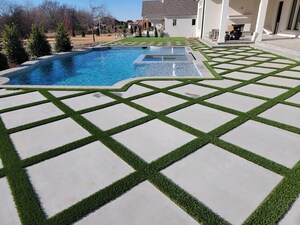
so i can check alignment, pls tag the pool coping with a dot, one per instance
(31, 64)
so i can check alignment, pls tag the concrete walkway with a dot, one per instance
(159, 152)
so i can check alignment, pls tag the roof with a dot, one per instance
(158, 9)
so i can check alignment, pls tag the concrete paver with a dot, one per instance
(237, 102)
(8, 211)
(229, 185)
(159, 102)
(293, 215)
(284, 114)
(262, 90)
(273, 143)
(63, 181)
(193, 91)
(28, 115)
(155, 139)
(143, 204)
(133, 91)
(50, 136)
(21, 99)
(113, 116)
(201, 117)
(87, 101)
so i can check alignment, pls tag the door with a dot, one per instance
(278, 17)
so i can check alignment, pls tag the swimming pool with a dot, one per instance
(101, 67)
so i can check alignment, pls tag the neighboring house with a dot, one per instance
(255, 17)
(174, 17)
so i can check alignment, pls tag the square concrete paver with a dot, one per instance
(233, 56)
(288, 73)
(133, 91)
(220, 83)
(8, 212)
(21, 99)
(28, 115)
(59, 94)
(294, 99)
(7, 92)
(113, 116)
(286, 61)
(268, 55)
(245, 53)
(142, 205)
(65, 180)
(243, 62)
(284, 114)
(227, 66)
(262, 90)
(259, 70)
(241, 75)
(237, 102)
(219, 71)
(201, 117)
(46, 137)
(220, 59)
(159, 102)
(293, 215)
(87, 101)
(153, 139)
(161, 83)
(193, 91)
(273, 65)
(257, 59)
(229, 185)
(280, 81)
(270, 142)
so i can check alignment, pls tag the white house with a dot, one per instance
(255, 17)
(176, 17)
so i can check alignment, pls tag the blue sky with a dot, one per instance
(120, 9)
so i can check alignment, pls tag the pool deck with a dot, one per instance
(180, 151)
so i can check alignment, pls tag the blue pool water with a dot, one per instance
(103, 68)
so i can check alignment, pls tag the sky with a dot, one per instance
(121, 9)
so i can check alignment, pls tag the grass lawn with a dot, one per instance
(153, 39)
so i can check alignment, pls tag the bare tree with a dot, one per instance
(97, 11)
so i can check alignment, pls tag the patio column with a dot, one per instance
(223, 21)
(261, 17)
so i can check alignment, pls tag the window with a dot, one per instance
(193, 22)
(174, 23)
(290, 24)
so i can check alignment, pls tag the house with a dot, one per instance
(281, 17)
(174, 17)
(254, 17)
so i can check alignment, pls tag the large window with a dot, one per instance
(292, 15)
(297, 23)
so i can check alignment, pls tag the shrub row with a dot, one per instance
(14, 52)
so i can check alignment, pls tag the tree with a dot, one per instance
(38, 44)
(97, 12)
(13, 45)
(3, 62)
(62, 40)
(140, 31)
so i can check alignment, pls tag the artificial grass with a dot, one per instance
(269, 212)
